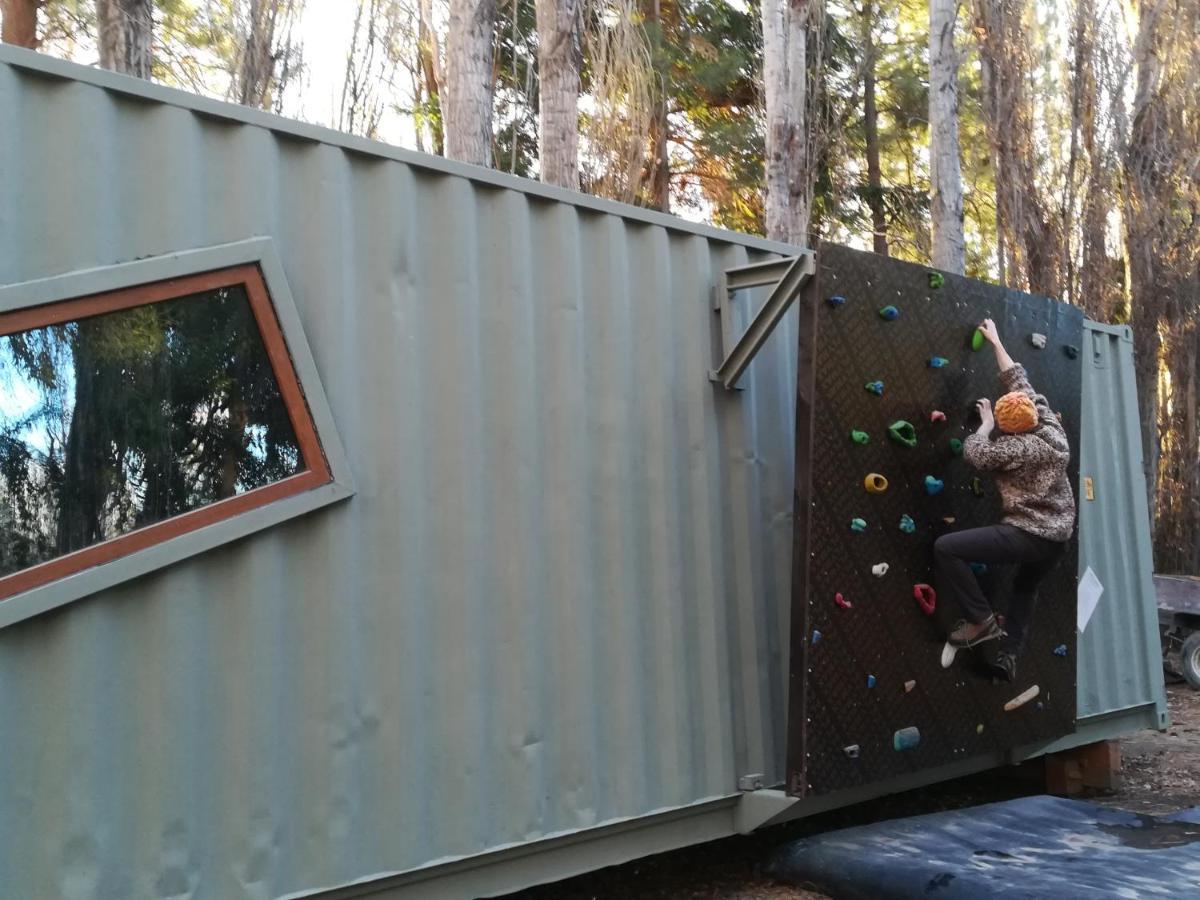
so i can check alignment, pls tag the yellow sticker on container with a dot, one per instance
(1088, 490)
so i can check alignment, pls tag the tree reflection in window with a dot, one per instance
(118, 421)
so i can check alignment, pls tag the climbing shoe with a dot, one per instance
(968, 634)
(1004, 666)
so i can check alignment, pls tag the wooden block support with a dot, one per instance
(1092, 767)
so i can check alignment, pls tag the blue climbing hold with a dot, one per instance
(907, 525)
(1060, 650)
(890, 313)
(858, 526)
(978, 568)
(835, 300)
(816, 637)
(870, 681)
(938, 362)
(875, 387)
(933, 485)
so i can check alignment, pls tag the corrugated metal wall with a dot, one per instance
(1120, 664)
(559, 597)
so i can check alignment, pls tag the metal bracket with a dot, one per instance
(757, 808)
(788, 275)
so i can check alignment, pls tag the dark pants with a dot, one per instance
(995, 544)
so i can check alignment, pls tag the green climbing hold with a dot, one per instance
(858, 526)
(978, 340)
(936, 280)
(976, 487)
(903, 433)
(859, 437)
(956, 446)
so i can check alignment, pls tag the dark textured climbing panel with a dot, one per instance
(849, 707)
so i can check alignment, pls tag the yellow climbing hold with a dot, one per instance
(875, 483)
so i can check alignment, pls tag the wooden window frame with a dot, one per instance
(323, 478)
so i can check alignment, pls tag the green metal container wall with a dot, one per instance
(554, 615)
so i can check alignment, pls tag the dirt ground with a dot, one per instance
(1161, 773)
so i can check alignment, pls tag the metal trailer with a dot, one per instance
(1178, 598)
(547, 633)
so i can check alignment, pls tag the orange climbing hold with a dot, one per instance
(875, 483)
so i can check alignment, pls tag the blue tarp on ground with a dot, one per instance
(1031, 847)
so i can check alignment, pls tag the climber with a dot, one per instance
(1029, 464)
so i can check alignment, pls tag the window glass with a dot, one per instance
(118, 421)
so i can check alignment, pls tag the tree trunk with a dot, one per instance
(125, 34)
(256, 71)
(467, 109)
(871, 126)
(20, 22)
(785, 81)
(558, 91)
(946, 194)
(430, 64)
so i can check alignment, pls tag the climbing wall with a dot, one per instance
(883, 342)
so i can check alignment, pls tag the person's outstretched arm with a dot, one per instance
(1003, 360)
(1013, 378)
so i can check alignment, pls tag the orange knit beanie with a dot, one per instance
(1015, 413)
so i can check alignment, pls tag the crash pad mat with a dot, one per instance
(1025, 848)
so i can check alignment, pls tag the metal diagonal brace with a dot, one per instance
(788, 275)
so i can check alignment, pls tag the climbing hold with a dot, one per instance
(842, 601)
(907, 525)
(949, 520)
(949, 651)
(978, 340)
(875, 483)
(835, 300)
(937, 416)
(926, 596)
(1039, 705)
(875, 387)
(938, 362)
(908, 686)
(870, 681)
(851, 751)
(956, 446)
(1071, 351)
(1038, 340)
(816, 637)
(936, 280)
(902, 432)
(979, 568)
(889, 313)
(906, 738)
(979, 728)
(858, 526)
(933, 485)
(976, 487)
(1021, 699)
(860, 437)
(1060, 650)
(879, 569)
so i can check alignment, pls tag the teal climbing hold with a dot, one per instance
(956, 446)
(875, 387)
(902, 432)
(936, 280)
(889, 313)
(906, 738)
(933, 485)
(858, 526)
(907, 525)
(978, 340)
(859, 437)
(979, 568)
(938, 362)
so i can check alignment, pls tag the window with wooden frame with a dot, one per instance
(136, 416)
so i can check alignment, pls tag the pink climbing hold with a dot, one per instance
(842, 601)
(926, 596)
(937, 416)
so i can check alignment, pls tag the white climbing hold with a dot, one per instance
(1038, 340)
(879, 569)
(1021, 699)
(948, 654)
(909, 685)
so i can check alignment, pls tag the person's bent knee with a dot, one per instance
(945, 545)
